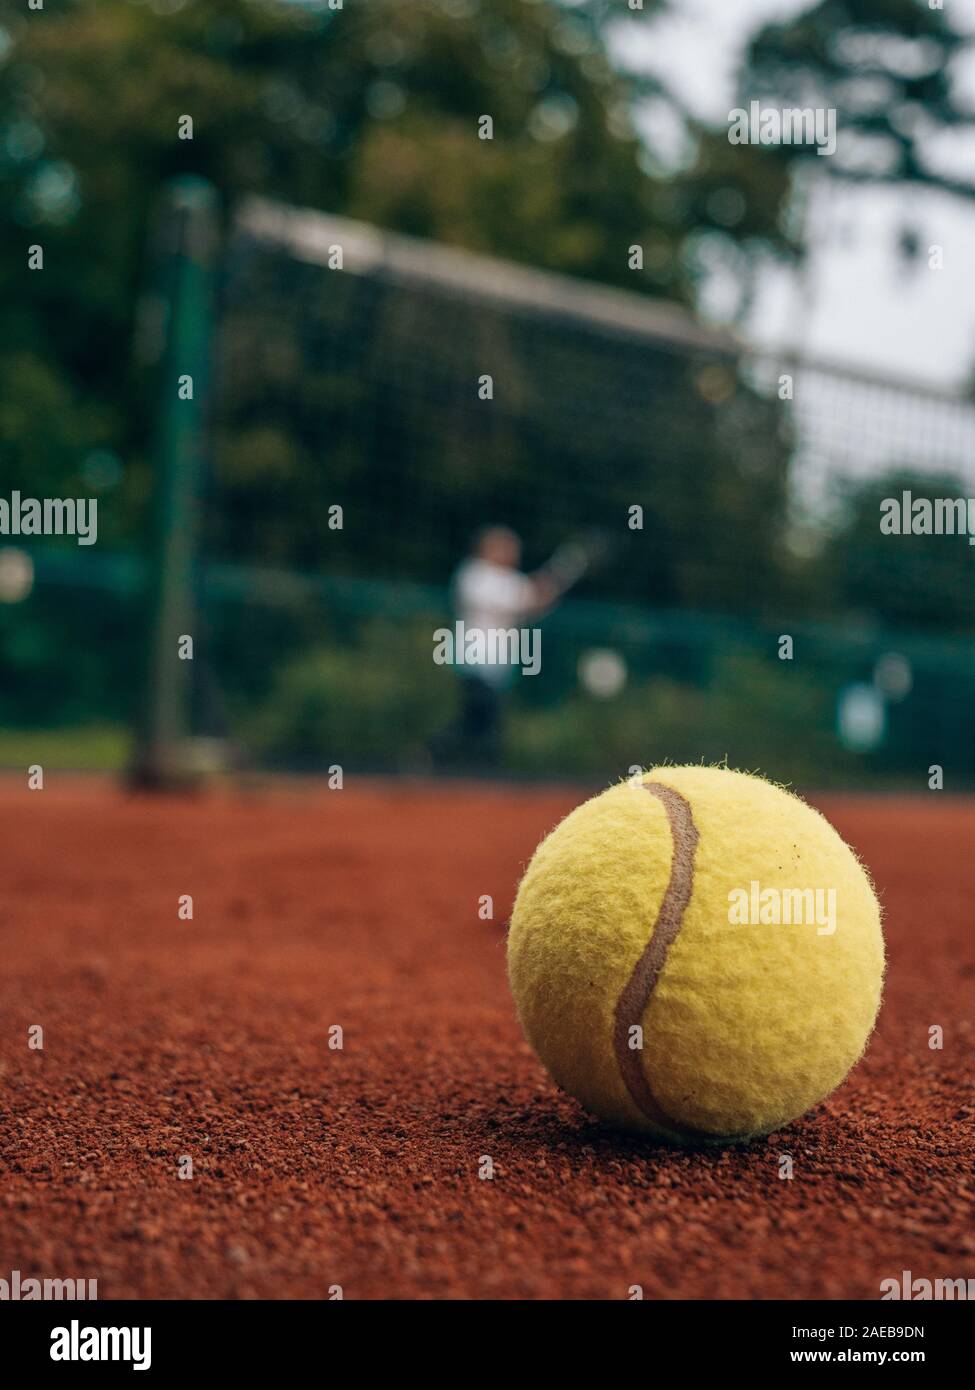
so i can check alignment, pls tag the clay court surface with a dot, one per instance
(359, 1168)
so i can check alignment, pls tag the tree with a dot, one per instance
(929, 586)
(371, 110)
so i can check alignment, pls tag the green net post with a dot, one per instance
(181, 318)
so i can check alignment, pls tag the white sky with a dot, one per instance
(857, 301)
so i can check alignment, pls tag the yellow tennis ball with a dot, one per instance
(696, 953)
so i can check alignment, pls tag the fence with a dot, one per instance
(377, 400)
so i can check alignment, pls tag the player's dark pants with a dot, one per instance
(480, 718)
(475, 737)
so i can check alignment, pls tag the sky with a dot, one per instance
(855, 301)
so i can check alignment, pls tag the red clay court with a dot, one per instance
(360, 1168)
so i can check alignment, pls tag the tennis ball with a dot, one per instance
(696, 954)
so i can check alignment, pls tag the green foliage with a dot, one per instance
(370, 110)
(913, 581)
(384, 699)
(76, 748)
(748, 714)
(880, 64)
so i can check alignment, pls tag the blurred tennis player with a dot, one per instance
(489, 593)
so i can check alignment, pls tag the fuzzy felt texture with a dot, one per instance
(746, 1025)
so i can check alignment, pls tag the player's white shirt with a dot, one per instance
(488, 595)
(491, 596)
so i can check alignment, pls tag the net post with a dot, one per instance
(184, 252)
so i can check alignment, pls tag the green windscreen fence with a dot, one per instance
(377, 400)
